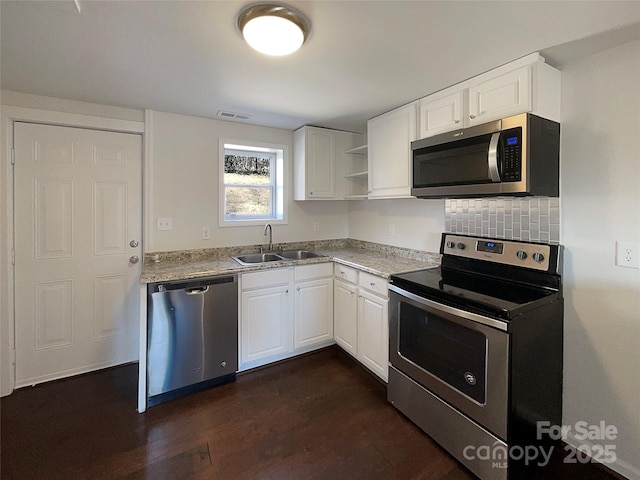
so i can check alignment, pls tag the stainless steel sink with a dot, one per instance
(253, 258)
(257, 258)
(298, 254)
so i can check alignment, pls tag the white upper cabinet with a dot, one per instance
(314, 160)
(389, 144)
(525, 85)
(321, 163)
(503, 96)
(441, 114)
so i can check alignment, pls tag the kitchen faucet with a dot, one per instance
(268, 227)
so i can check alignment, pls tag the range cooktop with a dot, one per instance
(489, 276)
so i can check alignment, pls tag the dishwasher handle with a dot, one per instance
(197, 291)
(192, 287)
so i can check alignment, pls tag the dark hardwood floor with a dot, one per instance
(320, 416)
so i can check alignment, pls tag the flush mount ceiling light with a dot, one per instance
(273, 29)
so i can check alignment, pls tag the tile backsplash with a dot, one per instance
(531, 219)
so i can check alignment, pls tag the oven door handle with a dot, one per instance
(494, 171)
(490, 322)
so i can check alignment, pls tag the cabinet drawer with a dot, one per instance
(265, 278)
(374, 284)
(345, 273)
(317, 270)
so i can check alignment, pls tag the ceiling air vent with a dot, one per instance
(235, 116)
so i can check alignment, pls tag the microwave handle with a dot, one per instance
(494, 172)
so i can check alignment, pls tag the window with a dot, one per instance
(252, 179)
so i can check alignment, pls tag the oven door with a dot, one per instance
(459, 356)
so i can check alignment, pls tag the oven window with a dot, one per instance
(464, 163)
(455, 354)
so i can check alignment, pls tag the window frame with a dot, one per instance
(278, 176)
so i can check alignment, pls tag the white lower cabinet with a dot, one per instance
(266, 326)
(373, 333)
(283, 312)
(313, 306)
(361, 318)
(345, 316)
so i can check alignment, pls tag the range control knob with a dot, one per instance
(521, 254)
(538, 257)
(460, 246)
(450, 244)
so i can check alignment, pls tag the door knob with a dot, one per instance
(133, 243)
(134, 259)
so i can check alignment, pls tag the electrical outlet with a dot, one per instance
(628, 254)
(316, 226)
(392, 229)
(206, 233)
(164, 223)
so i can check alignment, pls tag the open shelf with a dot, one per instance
(357, 174)
(359, 168)
(361, 150)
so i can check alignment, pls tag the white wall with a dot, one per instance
(600, 203)
(417, 223)
(183, 182)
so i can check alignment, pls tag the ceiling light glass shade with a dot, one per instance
(273, 29)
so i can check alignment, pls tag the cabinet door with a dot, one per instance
(373, 333)
(265, 323)
(314, 163)
(441, 114)
(390, 136)
(502, 96)
(345, 316)
(313, 312)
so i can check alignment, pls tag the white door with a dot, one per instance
(78, 216)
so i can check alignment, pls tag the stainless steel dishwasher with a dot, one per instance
(192, 336)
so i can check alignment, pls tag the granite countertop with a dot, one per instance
(374, 258)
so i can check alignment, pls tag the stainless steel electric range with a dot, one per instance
(476, 351)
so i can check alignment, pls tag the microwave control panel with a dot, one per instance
(511, 155)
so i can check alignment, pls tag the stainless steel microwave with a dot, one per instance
(518, 155)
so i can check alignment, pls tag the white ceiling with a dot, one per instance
(362, 58)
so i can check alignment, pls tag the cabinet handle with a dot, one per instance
(373, 284)
(310, 193)
(286, 291)
(298, 289)
(456, 121)
(472, 117)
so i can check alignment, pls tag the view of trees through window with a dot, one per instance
(248, 183)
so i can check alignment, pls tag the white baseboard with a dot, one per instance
(619, 466)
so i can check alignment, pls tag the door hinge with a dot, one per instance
(13, 256)
(13, 156)
(13, 358)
